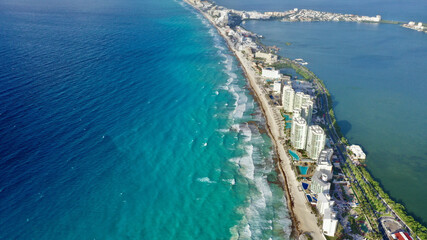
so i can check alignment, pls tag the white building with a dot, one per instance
(288, 98)
(277, 87)
(316, 139)
(307, 111)
(324, 160)
(319, 182)
(300, 99)
(356, 152)
(324, 202)
(305, 99)
(298, 132)
(330, 222)
(270, 73)
(296, 113)
(269, 58)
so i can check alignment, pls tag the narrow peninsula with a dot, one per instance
(330, 193)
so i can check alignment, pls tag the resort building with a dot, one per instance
(298, 132)
(300, 99)
(356, 152)
(316, 139)
(324, 160)
(288, 98)
(296, 113)
(269, 58)
(305, 99)
(324, 202)
(307, 111)
(270, 73)
(287, 79)
(277, 87)
(330, 222)
(319, 182)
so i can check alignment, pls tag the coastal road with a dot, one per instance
(341, 149)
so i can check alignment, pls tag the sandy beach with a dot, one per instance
(303, 218)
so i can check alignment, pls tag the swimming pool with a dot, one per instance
(303, 170)
(294, 155)
(305, 186)
(309, 198)
(288, 125)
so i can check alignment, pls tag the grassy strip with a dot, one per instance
(417, 228)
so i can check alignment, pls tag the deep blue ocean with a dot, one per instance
(376, 74)
(129, 120)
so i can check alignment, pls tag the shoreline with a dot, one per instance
(370, 199)
(303, 220)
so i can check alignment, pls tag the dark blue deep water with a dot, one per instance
(128, 120)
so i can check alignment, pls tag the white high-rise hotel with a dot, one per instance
(298, 132)
(292, 101)
(307, 111)
(288, 98)
(315, 141)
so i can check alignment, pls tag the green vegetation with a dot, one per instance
(259, 59)
(364, 204)
(370, 190)
(417, 228)
(339, 234)
(344, 194)
(280, 65)
(354, 225)
(288, 43)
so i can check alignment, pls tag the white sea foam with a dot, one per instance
(205, 180)
(231, 181)
(259, 215)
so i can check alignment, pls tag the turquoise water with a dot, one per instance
(303, 170)
(294, 155)
(376, 74)
(128, 120)
(287, 118)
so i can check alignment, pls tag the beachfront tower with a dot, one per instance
(270, 73)
(298, 100)
(277, 87)
(320, 182)
(288, 98)
(324, 162)
(305, 99)
(307, 111)
(316, 139)
(330, 222)
(298, 132)
(296, 113)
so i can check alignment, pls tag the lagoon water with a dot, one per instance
(377, 76)
(128, 120)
